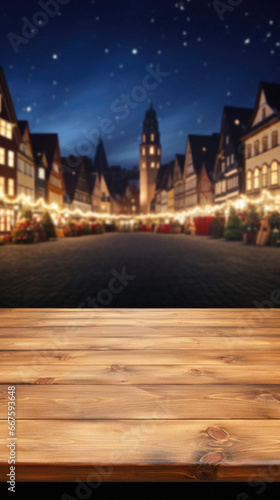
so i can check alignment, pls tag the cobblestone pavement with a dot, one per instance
(169, 270)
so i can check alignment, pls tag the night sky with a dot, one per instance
(67, 76)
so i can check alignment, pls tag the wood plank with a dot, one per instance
(139, 357)
(208, 449)
(40, 342)
(94, 322)
(95, 402)
(194, 374)
(139, 332)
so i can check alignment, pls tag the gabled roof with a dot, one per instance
(181, 161)
(22, 125)
(46, 143)
(72, 175)
(100, 160)
(204, 149)
(235, 119)
(272, 96)
(163, 176)
(10, 107)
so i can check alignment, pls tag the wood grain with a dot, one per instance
(142, 395)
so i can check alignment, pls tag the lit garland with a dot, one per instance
(270, 202)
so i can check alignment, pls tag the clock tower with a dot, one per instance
(150, 159)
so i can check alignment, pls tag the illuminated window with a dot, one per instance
(2, 185)
(41, 173)
(265, 144)
(249, 180)
(256, 178)
(237, 122)
(143, 151)
(232, 159)
(227, 139)
(2, 156)
(158, 165)
(3, 127)
(274, 139)
(55, 167)
(249, 151)
(11, 158)
(264, 176)
(9, 131)
(158, 151)
(152, 150)
(11, 187)
(153, 164)
(144, 138)
(144, 165)
(223, 166)
(152, 137)
(274, 173)
(256, 147)
(224, 186)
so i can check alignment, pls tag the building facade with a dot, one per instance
(41, 166)
(55, 186)
(9, 144)
(25, 164)
(178, 181)
(229, 171)
(77, 195)
(262, 143)
(199, 167)
(150, 160)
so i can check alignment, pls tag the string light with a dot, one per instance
(270, 203)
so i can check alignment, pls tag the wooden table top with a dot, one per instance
(142, 394)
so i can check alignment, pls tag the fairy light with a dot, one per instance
(270, 203)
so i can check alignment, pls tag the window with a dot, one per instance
(227, 139)
(228, 161)
(232, 159)
(264, 176)
(3, 127)
(31, 171)
(153, 164)
(11, 187)
(144, 138)
(249, 180)
(158, 151)
(11, 159)
(2, 185)
(9, 131)
(274, 139)
(143, 151)
(256, 147)
(249, 151)
(256, 178)
(152, 150)
(41, 173)
(2, 156)
(152, 137)
(223, 166)
(224, 185)
(25, 168)
(265, 144)
(55, 168)
(264, 113)
(143, 165)
(274, 173)
(158, 165)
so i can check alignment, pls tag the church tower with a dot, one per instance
(150, 159)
